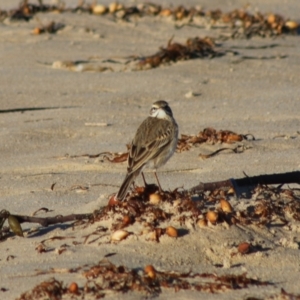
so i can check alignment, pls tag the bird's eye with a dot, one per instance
(153, 109)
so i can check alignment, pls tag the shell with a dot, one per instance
(73, 288)
(99, 9)
(113, 201)
(119, 235)
(165, 12)
(231, 191)
(150, 271)
(176, 202)
(180, 15)
(155, 199)
(202, 223)
(226, 206)
(171, 231)
(271, 18)
(292, 25)
(145, 231)
(212, 217)
(115, 6)
(259, 209)
(37, 31)
(127, 220)
(153, 236)
(244, 247)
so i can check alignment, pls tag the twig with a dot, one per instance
(282, 178)
(53, 220)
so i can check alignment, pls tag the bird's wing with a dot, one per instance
(148, 142)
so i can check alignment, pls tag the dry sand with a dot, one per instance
(257, 96)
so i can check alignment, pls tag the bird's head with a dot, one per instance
(161, 110)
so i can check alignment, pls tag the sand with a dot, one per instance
(49, 115)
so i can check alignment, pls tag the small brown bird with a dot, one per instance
(154, 143)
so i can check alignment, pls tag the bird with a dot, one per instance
(154, 143)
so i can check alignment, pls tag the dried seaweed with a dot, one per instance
(272, 205)
(247, 25)
(153, 209)
(27, 10)
(284, 295)
(275, 204)
(211, 136)
(239, 22)
(237, 149)
(105, 276)
(104, 156)
(185, 142)
(53, 289)
(194, 48)
(51, 27)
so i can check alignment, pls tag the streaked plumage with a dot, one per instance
(154, 143)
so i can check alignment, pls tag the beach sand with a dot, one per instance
(49, 115)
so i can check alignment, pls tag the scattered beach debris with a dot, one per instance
(208, 135)
(239, 23)
(193, 48)
(272, 205)
(105, 277)
(51, 27)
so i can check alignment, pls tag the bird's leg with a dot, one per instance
(144, 179)
(150, 188)
(160, 189)
(146, 184)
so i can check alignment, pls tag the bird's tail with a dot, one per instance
(125, 185)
